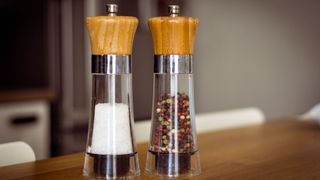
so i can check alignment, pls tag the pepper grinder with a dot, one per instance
(173, 148)
(111, 151)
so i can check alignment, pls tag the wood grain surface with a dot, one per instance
(111, 34)
(173, 35)
(286, 149)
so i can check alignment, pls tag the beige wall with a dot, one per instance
(257, 53)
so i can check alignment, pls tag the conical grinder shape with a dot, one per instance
(173, 147)
(111, 151)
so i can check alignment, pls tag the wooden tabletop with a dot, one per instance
(286, 149)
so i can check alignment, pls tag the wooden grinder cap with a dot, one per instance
(111, 34)
(173, 34)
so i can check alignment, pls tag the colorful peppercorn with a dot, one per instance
(172, 131)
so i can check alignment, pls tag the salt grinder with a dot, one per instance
(173, 147)
(111, 151)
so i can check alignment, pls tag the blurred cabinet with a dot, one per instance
(27, 121)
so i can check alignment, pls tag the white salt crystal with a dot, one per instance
(111, 130)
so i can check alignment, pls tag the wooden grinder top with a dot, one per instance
(173, 34)
(111, 34)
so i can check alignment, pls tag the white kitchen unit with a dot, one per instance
(27, 121)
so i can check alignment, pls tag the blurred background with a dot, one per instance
(248, 53)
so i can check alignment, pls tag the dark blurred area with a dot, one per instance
(23, 45)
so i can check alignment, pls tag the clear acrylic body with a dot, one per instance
(173, 147)
(111, 151)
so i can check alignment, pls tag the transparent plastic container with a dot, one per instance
(111, 151)
(173, 147)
